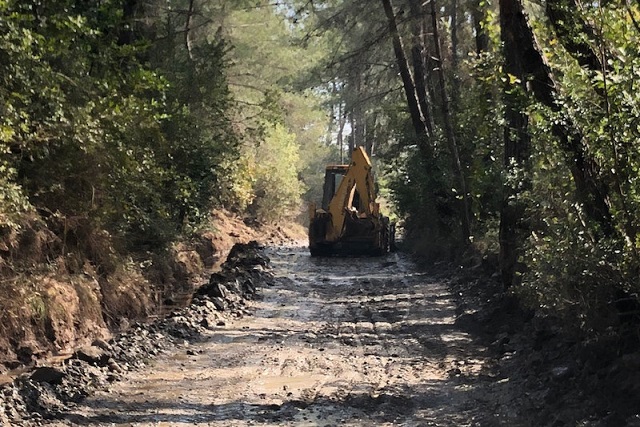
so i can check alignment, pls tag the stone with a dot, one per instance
(219, 303)
(93, 355)
(101, 344)
(561, 372)
(114, 366)
(47, 374)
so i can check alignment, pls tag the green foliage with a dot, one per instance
(97, 128)
(140, 122)
(267, 67)
(573, 268)
(276, 187)
(421, 196)
(12, 199)
(571, 272)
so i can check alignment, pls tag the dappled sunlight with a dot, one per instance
(342, 346)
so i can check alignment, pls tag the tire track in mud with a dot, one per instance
(344, 341)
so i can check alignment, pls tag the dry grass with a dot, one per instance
(63, 282)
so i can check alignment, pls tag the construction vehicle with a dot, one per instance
(349, 221)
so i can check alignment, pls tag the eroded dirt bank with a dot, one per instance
(361, 341)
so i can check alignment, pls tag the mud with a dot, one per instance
(351, 341)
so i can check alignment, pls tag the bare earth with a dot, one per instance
(349, 342)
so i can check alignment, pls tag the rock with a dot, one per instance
(217, 290)
(114, 366)
(631, 361)
(46, 374)
(249, 287)
(209, 322)
(561, 372)
(47, 390)
(101, 344)
(219, 303)
(500, 345)
(613, 420)
(247, 254)
(93, 355)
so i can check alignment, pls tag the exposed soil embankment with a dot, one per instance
(334, 342)
(46, 392)
(337, 341)
(58, 296)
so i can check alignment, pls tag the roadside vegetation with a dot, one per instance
(504, 135)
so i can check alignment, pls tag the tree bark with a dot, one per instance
(525, 61)
(516, 42)
(573, 32)
(342, 121)
(419, 55)
(478, 12)
(458, 170)
(417, 117)
(127, 34)
(187, 29)
(351, 139)
(371, 134)
(359, 122)
(454, 34)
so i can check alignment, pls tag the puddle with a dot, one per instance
(229, 338)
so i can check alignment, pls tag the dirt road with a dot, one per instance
(352, 342)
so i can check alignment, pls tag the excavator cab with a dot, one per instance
(349, 221)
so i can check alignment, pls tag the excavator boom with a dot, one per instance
(349, 222)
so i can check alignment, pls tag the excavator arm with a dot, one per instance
(350, 221)
(357, 182)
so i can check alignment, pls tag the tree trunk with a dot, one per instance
(458, 171)
(127, 33)
(371, 134)
(454, 34)
(573, 32)
(417, 117)
(517, 142)
(478, 12)
(419, 55)
(333, 116)
(455, 60)
(187, 29)
(591, 190)
(358, 122)
(525, 61)
(430, 63)
(351, 139)
(342, 121)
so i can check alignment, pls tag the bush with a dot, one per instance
(277, 188)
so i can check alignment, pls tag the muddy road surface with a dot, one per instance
(349, 342)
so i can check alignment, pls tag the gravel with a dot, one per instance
(47, 392)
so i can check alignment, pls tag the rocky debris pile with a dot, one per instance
(47, 392)
(238, 281)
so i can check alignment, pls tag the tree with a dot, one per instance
(515, 36)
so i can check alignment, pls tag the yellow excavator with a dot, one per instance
(349, 221)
